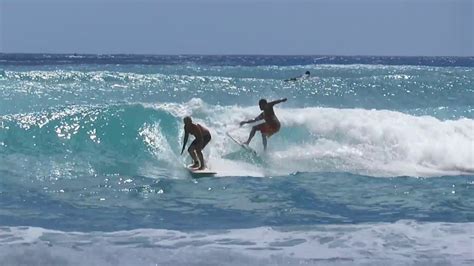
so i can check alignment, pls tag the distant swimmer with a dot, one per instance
(306, 75)
(202, 138)
(271, 124)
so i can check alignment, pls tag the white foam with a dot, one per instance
(225, 167)
(403, 242)
(371, 142)
(385, 142)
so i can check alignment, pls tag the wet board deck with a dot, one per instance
(244, 146)
(200, 173)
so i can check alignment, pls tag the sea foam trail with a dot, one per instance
(401, 243)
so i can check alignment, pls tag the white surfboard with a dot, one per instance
(195, 173)
(244, 146)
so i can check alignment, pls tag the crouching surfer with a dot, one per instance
(202, 136)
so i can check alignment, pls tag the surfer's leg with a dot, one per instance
(267, 131)
(192, 153)
(202, 164)
(264, 141)
(252, 133)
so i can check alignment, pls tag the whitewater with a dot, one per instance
(374, 162)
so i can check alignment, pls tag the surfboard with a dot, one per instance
(200, 173)
(244, 146)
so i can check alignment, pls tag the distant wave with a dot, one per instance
(444, 93)
(223, 60)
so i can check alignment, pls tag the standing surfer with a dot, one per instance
(271, 124)
(202, 137)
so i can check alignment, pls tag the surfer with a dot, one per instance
(271, 124)
(306, 75)
(202, 138)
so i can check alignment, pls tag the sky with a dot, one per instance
(278, 27)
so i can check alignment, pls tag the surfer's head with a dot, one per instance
(307, 73)
(187, 120)
(262, 103)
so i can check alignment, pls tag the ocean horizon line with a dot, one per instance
(236, 54)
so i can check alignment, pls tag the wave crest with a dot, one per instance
(370, 142)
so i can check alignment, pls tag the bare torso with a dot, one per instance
(194, 130)
(270, 117)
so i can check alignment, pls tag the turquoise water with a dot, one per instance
(374, 162)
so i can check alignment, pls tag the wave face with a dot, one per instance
(316, 139)
(375, 159)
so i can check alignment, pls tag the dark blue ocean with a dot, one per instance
(374, 163)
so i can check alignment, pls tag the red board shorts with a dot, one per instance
(268, 129)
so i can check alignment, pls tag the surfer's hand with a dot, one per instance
(242, 123)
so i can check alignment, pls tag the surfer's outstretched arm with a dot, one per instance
(277, 101)
(258, 118)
